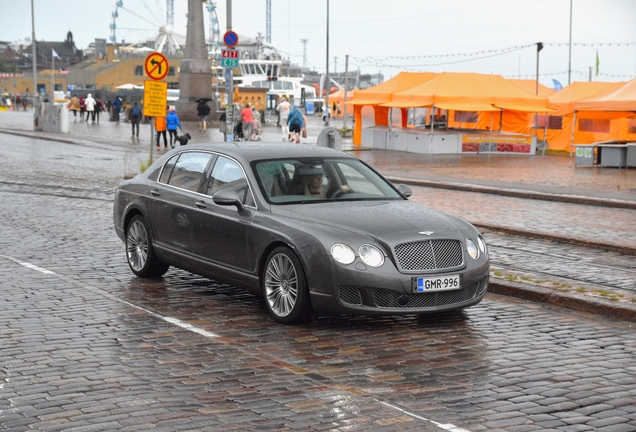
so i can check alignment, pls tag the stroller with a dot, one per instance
(238, 131)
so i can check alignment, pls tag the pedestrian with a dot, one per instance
(74, 106)
(18, 102)
(223, 124)
(172, 123)
(99, 107)
(256, 124)
(247, 119)
(89, 103)
(24, 102)
(283, 108)
(82, 104)
(117, 103)
(296, 124)
(203, 110)
(160, 127)
(134, 117)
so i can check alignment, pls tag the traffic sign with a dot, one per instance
(230, 39)
(156, 66)
(155, 98)
(229, 58)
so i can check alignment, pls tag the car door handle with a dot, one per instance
(200, 204)
(155, 192)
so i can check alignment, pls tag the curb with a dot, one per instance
(620, 311)
(625, 250)
(519, 193)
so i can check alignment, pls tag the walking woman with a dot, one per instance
(172, 123)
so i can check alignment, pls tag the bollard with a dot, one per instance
(332, 139)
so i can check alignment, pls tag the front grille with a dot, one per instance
(391, 299)
(429, 255)
(350, 295)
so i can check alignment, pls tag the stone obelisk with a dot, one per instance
(195, 77)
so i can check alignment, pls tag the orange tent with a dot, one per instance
(622, 98)
(531, 87)
(469, 92)
(376, 95)
(560, 131)
(337, 97)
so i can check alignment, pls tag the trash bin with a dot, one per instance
(584, 155)
(613, 156)
(631, 156)
(309, 108)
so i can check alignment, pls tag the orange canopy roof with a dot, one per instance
(468, 89)
(382, 92)
(622, 98)
(563, 101)
(531, 87)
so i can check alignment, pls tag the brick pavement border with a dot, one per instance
(625, 312)
(519, 193)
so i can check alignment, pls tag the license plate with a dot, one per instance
(444, 283)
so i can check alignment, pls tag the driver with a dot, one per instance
(313, 183)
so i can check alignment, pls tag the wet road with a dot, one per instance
(86, 345)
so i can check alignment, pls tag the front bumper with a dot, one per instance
(358, 290)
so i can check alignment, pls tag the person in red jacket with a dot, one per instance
(247, 119)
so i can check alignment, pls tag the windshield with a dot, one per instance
(292, 181)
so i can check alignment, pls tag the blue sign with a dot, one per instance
(230, 39)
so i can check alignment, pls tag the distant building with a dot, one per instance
(67, 51)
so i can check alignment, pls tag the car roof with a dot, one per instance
(251, 151)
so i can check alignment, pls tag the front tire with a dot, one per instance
(284, 288)
(139, 251)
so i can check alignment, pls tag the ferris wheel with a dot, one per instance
(139, 18)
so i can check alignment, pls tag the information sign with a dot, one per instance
(229, 58)
(155, 98)
(156, 66)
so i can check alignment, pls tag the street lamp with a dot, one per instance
(327, 73)
(33, 51)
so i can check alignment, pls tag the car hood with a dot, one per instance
(385, 221)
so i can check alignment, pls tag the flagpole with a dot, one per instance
(52, 76)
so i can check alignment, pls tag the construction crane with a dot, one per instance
(268, 21)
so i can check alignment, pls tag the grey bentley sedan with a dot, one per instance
(311, 229)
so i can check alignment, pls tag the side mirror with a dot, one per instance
(404, 190)
(227, 197)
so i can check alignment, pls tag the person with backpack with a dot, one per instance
(117, 104)
(296, 123)
(203, 110)
(135, 118)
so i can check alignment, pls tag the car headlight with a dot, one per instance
(343, 253)
(371, 255)
(482, 245)
(472, 248)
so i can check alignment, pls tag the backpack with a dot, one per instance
(206, 109)
(135, 113)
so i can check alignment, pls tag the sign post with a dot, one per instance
(229, 60)
(155, 92)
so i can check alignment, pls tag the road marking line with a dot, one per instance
(186, 326)
(30, 266)
(445, 426)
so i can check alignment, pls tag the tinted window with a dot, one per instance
(321, 180)
(188, 171)
(227, 174)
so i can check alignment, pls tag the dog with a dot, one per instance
(183, 139)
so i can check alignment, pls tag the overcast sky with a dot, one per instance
(486, 36)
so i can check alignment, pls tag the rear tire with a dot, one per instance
(284, 288)
(139, 251)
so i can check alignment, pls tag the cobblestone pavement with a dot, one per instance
(87, 346)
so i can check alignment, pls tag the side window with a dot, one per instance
(139, 70)
(227, 174)
(188, 171)
(167, 169)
